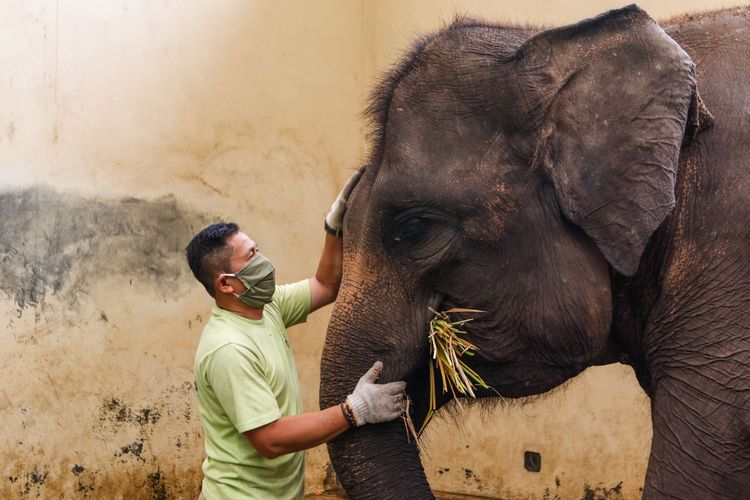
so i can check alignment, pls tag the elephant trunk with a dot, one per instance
(376, 460)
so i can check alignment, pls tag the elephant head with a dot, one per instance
(515, 173)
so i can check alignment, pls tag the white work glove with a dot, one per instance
(335, 218)
(372, 403)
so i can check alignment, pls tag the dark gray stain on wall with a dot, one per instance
(56, 250)
(57, 243)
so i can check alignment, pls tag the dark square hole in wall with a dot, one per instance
(532, 461)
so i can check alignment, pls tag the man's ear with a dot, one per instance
(225, 284)
(613, 94)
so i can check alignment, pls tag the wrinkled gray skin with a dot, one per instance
(573, 184)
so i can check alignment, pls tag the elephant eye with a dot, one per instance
(410, 229)
(421, 236)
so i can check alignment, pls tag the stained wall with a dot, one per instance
(125, 127)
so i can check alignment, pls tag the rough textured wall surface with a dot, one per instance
(85, 409)
(125, 126)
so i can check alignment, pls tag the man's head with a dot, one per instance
(209, 254)
(229, 265)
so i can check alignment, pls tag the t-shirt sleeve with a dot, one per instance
(236, 376)
(294, 302)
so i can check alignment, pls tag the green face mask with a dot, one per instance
(259, 280)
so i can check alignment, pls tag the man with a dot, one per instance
(245, 376)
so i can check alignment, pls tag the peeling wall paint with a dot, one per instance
(125, 128)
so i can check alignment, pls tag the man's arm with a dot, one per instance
(324, 286)
(370, 403)
(297, 432)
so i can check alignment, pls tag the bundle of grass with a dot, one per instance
(447, 347)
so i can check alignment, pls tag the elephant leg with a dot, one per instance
(701, 441)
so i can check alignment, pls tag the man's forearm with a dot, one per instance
(325, 284)
(331, 260)
(298, 432)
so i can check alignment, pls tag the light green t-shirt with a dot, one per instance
(245, 378)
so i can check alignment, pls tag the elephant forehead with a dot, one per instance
(463, 147)
(448, 172)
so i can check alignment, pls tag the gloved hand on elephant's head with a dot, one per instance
(372, 403)
(335, 219)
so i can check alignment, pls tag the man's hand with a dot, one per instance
(372, 403)
(335, 218)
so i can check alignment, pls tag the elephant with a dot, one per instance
(586, 187)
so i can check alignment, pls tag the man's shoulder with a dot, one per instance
(292, 302)
(219, 327)
(291, 291)
(227, 353)
(221, 330)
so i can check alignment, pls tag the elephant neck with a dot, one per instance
(638, 323)
(633, 301)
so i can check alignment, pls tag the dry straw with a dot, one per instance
(447, 347)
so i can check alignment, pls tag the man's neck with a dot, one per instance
(241, 309)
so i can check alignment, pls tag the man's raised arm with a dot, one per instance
(324, 286)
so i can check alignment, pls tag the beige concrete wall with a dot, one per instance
(125, 126)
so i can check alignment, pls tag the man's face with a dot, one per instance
(244, 249)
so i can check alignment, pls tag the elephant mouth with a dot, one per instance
(421, 387)
(418, 407)
(501, 375)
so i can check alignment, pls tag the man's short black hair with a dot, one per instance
(208, 254)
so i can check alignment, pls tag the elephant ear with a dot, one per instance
(614, 95)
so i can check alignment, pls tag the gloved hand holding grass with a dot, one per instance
(372, 403)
